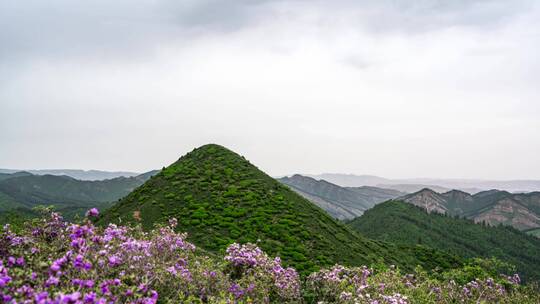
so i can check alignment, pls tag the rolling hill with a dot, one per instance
(219, 197)
(340, 202)
(405, 224)
(520, 210)
(70, 196)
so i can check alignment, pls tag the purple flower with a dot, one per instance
(41, 297)
(69, 298)
(236, 290)
(89, 297)
(88, 283)
(19, 261)
(11, 261)
(4, 280)
(92, 212)
(114, 261)
(52, 281)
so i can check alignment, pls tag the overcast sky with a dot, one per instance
(393, 88)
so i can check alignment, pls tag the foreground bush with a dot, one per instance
(51, 261)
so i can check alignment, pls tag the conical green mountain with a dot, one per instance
(219, 197)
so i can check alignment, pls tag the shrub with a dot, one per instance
(52, 261)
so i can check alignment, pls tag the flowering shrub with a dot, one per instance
(52, 261)
(363, 285)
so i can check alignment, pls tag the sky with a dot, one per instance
(398, 88)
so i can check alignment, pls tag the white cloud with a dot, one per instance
(296, 86)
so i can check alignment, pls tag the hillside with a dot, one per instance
(4, 176)
(219, 197)
(68, 195)
(340, 202)
(521, 210)
(406, 224)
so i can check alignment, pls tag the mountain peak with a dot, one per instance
(426, 191)
(428, 199)
(219, 197)
(456, 192)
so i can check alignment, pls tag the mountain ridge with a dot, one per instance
(84, 175)
(521, 210)
(340, 202)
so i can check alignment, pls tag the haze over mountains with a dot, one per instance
(439, 185)
(89, 175)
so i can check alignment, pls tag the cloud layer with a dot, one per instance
(379, 87)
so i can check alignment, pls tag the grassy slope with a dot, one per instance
(219, 197)
(404, 223)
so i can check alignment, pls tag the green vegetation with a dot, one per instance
(21, 191)
(406, 224)
(17, 217)
(535, 232)
(219, 198)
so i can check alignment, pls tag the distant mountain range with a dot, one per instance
(86, 175)
(439, 185)
(520, 210)
(340, 202)
(21, 191)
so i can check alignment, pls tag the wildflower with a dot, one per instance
(4, 280)
(92, 212)
(114, 261)
(89, 297)
(345, 296)
(52, 281)
(173, 222)
(236, 290)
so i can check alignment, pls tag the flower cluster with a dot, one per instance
(363, 285)
(51, 261)
(249, 261)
